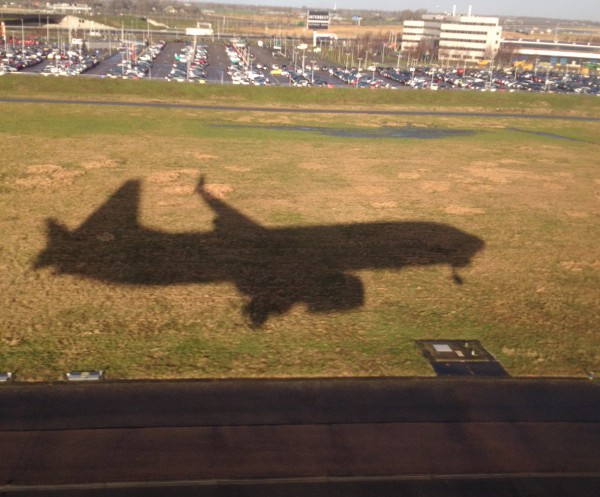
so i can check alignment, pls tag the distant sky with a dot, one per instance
(585, 10)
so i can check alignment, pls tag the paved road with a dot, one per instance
(312, 437)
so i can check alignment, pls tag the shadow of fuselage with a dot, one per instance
(276, 268)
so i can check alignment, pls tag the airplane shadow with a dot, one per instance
(275, 268)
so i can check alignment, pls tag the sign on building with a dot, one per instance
(317, 19)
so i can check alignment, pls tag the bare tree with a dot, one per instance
(505, 54)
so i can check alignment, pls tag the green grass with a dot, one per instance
(87, 88)
(530, 295)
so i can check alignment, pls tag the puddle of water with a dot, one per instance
(385, 132)
(545, 135)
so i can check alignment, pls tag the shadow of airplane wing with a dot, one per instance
(227, 218)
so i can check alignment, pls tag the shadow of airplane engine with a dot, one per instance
(275, 267)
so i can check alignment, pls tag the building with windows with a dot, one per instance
(552, 52)
(451, 37)
(69, 8)
(420, 37)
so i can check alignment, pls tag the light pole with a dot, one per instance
(347, 57)
(312, 72)
(22, 38)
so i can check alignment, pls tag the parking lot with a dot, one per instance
(235, 62)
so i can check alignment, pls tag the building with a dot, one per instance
(421, 36)
(451, 37)
(469, 38)
(317, 19)
(69, 8)
(552, 52)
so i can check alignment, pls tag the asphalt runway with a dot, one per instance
(346, 437)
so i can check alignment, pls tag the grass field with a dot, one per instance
(527, 188)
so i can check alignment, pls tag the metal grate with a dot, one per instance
(460, 358)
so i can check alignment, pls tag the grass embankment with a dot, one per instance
(530, 295)
(345, 98)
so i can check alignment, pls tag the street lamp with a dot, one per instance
(347, 56)
(22, 38)
(312, 73)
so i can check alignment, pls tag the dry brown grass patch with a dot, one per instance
(409, 175)
(238, 169)
(490, 172)
(219, 190)
(204, 157)
(578, 266)
(435, 186)
(99, 164)
(578, 214)
(460, 210)
(312, 166)
(385, 205)
(48, 176)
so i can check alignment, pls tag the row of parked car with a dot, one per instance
(132, 68)
(242, 69)
(13, 59)
(64, 62)
(189, 65)
(69, 64)
(358, 78)
(499, 80)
